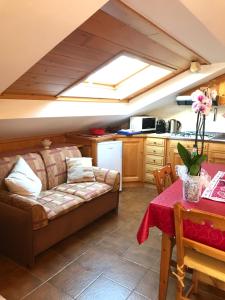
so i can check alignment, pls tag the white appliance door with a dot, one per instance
(109, 156)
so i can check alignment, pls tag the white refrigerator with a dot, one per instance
(109, 156)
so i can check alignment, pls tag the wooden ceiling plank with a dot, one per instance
(101, 44)
(115, 31)
(81, 54)
(122, 12)
(42, 69)
(36, 78)
(26, 88)
(27, 97)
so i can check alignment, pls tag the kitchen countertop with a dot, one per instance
(176, 137)
(170, 136)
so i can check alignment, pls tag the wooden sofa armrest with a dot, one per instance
(29, 204)
(110, 177)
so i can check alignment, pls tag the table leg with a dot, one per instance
(166, 252)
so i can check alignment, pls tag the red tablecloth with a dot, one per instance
(160, 214)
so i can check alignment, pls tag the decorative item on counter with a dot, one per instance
(46, 143)
(97, 131)
(192, 175)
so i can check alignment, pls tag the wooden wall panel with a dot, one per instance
(32, 143)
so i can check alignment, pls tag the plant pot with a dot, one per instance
(192, 188)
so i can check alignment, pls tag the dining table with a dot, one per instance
(160, 214)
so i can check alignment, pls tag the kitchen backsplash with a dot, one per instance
(188, 118)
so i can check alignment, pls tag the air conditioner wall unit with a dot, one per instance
(186, 100)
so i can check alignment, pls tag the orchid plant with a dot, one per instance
(202, 103)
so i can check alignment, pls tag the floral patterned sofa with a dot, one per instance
(29, 226)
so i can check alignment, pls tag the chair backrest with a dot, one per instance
(163, 177)
(201, 219)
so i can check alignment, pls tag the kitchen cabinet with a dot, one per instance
(143, 154)
(216, 153)
(154, 157)
(132, 157)
(172, 155)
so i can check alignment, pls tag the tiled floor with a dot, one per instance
(102, 261)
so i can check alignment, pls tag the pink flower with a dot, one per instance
(201, 103)
(197, 95)
(200, 97)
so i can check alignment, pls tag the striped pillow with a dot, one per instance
(79, 169)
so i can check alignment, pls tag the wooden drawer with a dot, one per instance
(150, 168)
(154, 160)
(217, 147)
(149, 178)
(155, 142)
(154, 150)
(186, 144)
(216, 157)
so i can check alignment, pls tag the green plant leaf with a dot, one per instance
(195, 169)
(185, 155)
(198, 159)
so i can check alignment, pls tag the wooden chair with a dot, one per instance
(163, 177)
(205, 261)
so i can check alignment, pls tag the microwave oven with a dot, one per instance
(143, 123)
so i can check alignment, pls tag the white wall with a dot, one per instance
(188, 118)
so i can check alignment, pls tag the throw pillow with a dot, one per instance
(79, 169)
(22, 180)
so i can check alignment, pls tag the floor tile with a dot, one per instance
(136, 296)
(99, 258)
(117, 242)
(17, 283)
(126, 273)
(104, 289)
(47, 292)
(74, 279)
(6, 265)
(144, 255)
(72, 247)
(148, 286)
(47, 264)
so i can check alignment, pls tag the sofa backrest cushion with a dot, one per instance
(34, 160)
(55, 163)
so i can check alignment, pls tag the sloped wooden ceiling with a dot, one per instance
(112, 30)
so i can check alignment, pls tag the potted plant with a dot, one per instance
(192, 183)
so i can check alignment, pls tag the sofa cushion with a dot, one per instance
(85, 190)
(34, 160)
(55, 162)
(79, 169)
(22, 180)
(57, 203)
(110, 177)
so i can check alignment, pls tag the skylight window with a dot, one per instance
(118, 79)
(117, 70)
